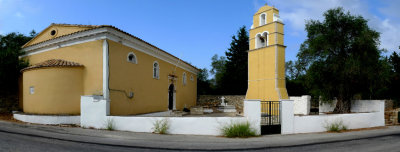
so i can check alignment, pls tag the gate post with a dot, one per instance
(252, 111)
(287, 117)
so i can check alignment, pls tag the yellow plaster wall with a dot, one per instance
(89, 54)
(56, 90)
(268, 27)
(150, 95)
(61, 30)
(279, 27)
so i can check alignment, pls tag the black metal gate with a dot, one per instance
(270, 117)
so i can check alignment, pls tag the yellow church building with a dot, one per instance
(69, 61)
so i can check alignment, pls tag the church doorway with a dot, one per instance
(171, 96)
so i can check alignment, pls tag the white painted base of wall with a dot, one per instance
(371, 114)
(93, 114)
(317, 123)
(47, 119)
(178, 125)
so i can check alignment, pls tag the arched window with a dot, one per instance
(156, 70)
(263, 19)
(261, 40)
(184, 78)
(131, 58)
(191, 77)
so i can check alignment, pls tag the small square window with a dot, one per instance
(31, 90)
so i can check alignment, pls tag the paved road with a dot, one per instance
(19, 142)
(29, 137)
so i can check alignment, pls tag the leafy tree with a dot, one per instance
(394, 61)
(295, 79)
(341, 58)
(294, 70)
(235, 77)
(203, 84)
(10, 66)
(218, 70)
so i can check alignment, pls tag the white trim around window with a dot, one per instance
(131, 57)
(156, 70)
(263, 19)
(184, 78)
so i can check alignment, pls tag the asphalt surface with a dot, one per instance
(28, 137)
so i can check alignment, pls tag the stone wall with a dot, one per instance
(391, 117)
(215, 100)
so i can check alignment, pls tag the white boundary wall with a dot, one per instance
(356, 106)
(373, 116)
(94, 113)
(287, 116)
(302, 105)
(327, 107)
(47, 119)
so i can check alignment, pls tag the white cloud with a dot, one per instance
(390, 33)
(296, 12)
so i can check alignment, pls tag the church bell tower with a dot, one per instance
(266, 62)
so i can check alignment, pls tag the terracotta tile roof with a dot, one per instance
(101, 26)
(53, 63)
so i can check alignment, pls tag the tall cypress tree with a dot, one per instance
(235, 77)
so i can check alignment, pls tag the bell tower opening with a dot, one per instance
(263, 19)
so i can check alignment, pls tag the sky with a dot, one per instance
(195, 30)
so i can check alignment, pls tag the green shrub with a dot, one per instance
(239, 129)
(161, 126)
(336, 126)
(110, 124)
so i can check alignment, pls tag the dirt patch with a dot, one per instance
(8, 117)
